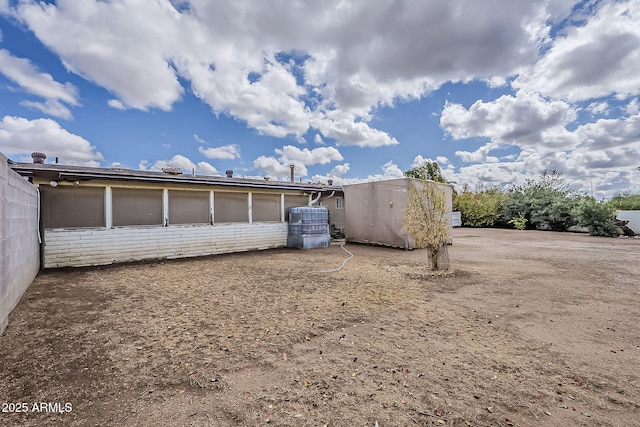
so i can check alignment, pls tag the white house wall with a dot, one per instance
(633, 217)
(85, 247)
(19, 246)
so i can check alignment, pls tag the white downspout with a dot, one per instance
(330, 195)
(312, 202)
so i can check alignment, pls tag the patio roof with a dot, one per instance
(57, 172)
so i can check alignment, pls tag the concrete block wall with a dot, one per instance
(19, 246)
(85, 247)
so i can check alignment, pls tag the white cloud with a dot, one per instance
(632, 107)
(604, 153)
(122, 46)
(479, 155)
(273, 167)
(283, 68)
(197, 138)
(21, 136)
(596, 59)
(346, 131)
(26, 75)
(118, 165)
(607, 134)
(114, 103)
(323, 70)
(320, 155)
(442, 160)
(339, 170)
(598, 108)
(181, 162)
(177, 161)
(290, 155)
(592, 59)
(207, 169)
(389, 170)
(524, 119)
(228, 152)
(50, 107)
(419, 161)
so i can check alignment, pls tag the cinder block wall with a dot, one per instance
(78, 248)
(19, 247)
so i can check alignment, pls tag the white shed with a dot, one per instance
(374, 211)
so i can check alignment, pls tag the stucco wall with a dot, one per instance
(19, 247)
(633, 217)
(84, 247)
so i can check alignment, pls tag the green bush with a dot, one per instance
(626, 201)
(598, 217)
(480, 209)
(519, 222)
(546, 200)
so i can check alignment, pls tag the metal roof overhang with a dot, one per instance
(56, 172)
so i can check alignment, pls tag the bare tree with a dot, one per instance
(426, 222)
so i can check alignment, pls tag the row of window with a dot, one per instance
(69, 206)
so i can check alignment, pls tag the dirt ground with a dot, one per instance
(527, 329)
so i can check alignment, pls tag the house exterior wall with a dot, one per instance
(633, 217)
(335, 205)
(233, 228)
(19, 246)
(100, 246)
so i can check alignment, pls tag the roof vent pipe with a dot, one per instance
(293, 173)
(38, 157)
(229, 173)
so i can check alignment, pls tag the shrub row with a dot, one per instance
(546, 201)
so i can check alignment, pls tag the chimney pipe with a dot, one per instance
(229, 173)
(293, 173)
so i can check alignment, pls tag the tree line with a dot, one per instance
(545, 201)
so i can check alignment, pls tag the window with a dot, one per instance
(68, 206)
(188, 207)
(134, 206)
(266, 207)
(339, 203)
(231, 207)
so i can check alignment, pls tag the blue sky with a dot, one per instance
(496, 91)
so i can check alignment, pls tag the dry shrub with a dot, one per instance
(426, 222)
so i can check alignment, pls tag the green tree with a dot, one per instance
(482, 208)
(428, 171)
(546, 200)
(626, 201)
(598, 217)
(426, 222)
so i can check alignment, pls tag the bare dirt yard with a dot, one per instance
(528, 329)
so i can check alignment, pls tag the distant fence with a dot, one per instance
(19, 246)
(633, 217)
